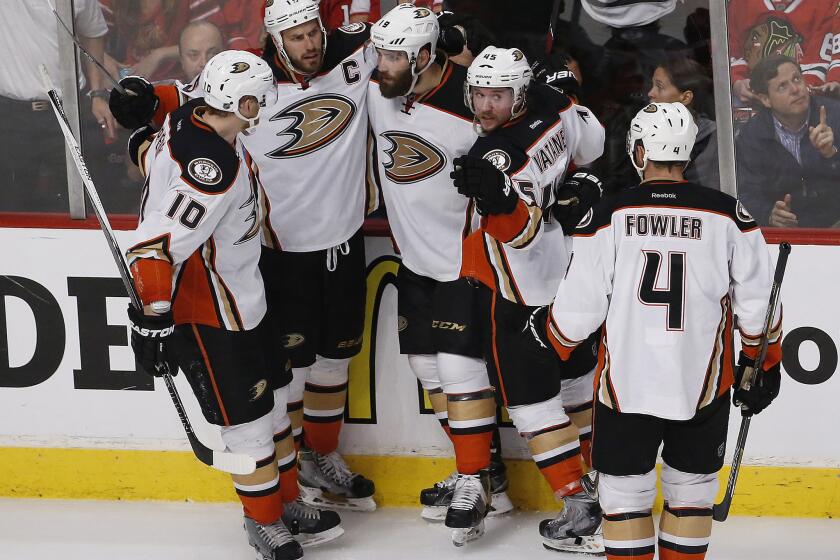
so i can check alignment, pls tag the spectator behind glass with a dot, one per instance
(787, 162)
(199, 42)
(803, 31)
(32, 165)
(684, 80)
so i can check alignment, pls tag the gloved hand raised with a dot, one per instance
(133, 111)
(479, 179)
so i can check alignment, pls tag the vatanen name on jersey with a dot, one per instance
(551, 150)
(659, 225)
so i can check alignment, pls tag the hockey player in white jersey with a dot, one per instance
(515, 172)
(195, 266)
(667, 265)
(420, 125)
(311, 154)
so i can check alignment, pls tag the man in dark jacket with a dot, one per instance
(788, 164)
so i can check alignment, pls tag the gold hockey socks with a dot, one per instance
(629, 536)
(323, 414)
(259, 491)
(286, 454)
(684, 533)
(556, 451)
(440, 406)
(581, 416)
(472, 417)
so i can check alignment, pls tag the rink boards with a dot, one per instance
(80, 422)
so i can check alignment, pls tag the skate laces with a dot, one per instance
(332, 255)
(467, 492)
(447, 482)
(276, 534)
(333, 465)
(300, 510)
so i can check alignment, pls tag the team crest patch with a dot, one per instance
(421, 13)
(517, 55)
(205, 171)
(356, 27)
(313, 123)
(742, 213)
(269, 3)
(652, 108)
(402, 323)
(258, 389)
(499, 158)
(293, 340)
(239, 67)
(412, 158)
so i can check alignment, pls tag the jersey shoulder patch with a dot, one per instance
(498, 149)
(343, 42)
(208, 163)
(449, 95)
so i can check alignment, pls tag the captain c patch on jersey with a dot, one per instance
(314, 122)
(412, 158)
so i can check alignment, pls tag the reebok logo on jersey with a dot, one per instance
(314, 122)
(663, 195)
(258, 389)
(205, 171)
(413, 158)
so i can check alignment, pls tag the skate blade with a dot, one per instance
(318, 498)
(460, 537)
(434, 513)
(500, 504)
(592, 545)
(308, 540)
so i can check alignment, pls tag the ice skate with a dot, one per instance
(326, 481)
(577, 528)
(436, 500)
(272, 541)
(311, 526)
(470, 505)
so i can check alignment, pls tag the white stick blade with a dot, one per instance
(234, 463)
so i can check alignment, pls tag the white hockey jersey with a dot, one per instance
(628, 13)
(523, 255)
(666, 264)
(415, 142)
(310, 146)
(200, 213)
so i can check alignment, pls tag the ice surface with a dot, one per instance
(89, 530)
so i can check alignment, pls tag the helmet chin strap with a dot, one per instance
(416, 75)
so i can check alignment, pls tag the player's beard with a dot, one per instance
(309, 65)
(398, 84)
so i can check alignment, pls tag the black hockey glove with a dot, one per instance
(575, 197)
(534, 335)
(151, 340)
(557, 75)
(133, 111)
(479, 179)
(475, 34)
(763, 390)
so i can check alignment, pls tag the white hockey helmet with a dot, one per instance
(500, 68)
(407, 28)
(667, 132)
(231, 75)
(281, 15)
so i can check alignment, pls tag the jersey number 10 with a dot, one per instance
(672, 296)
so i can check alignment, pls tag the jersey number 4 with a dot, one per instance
(672, 297)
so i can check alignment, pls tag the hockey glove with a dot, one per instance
(575, 197)
(151, 339)
(476, 35)
(479, 179)
(133, 111)
(534, 335)
(139, 137)
(761, 392)
(557, 75)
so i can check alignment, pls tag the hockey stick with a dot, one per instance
(555, 13)
(228, 462)
(89, 56)
(721, 511)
